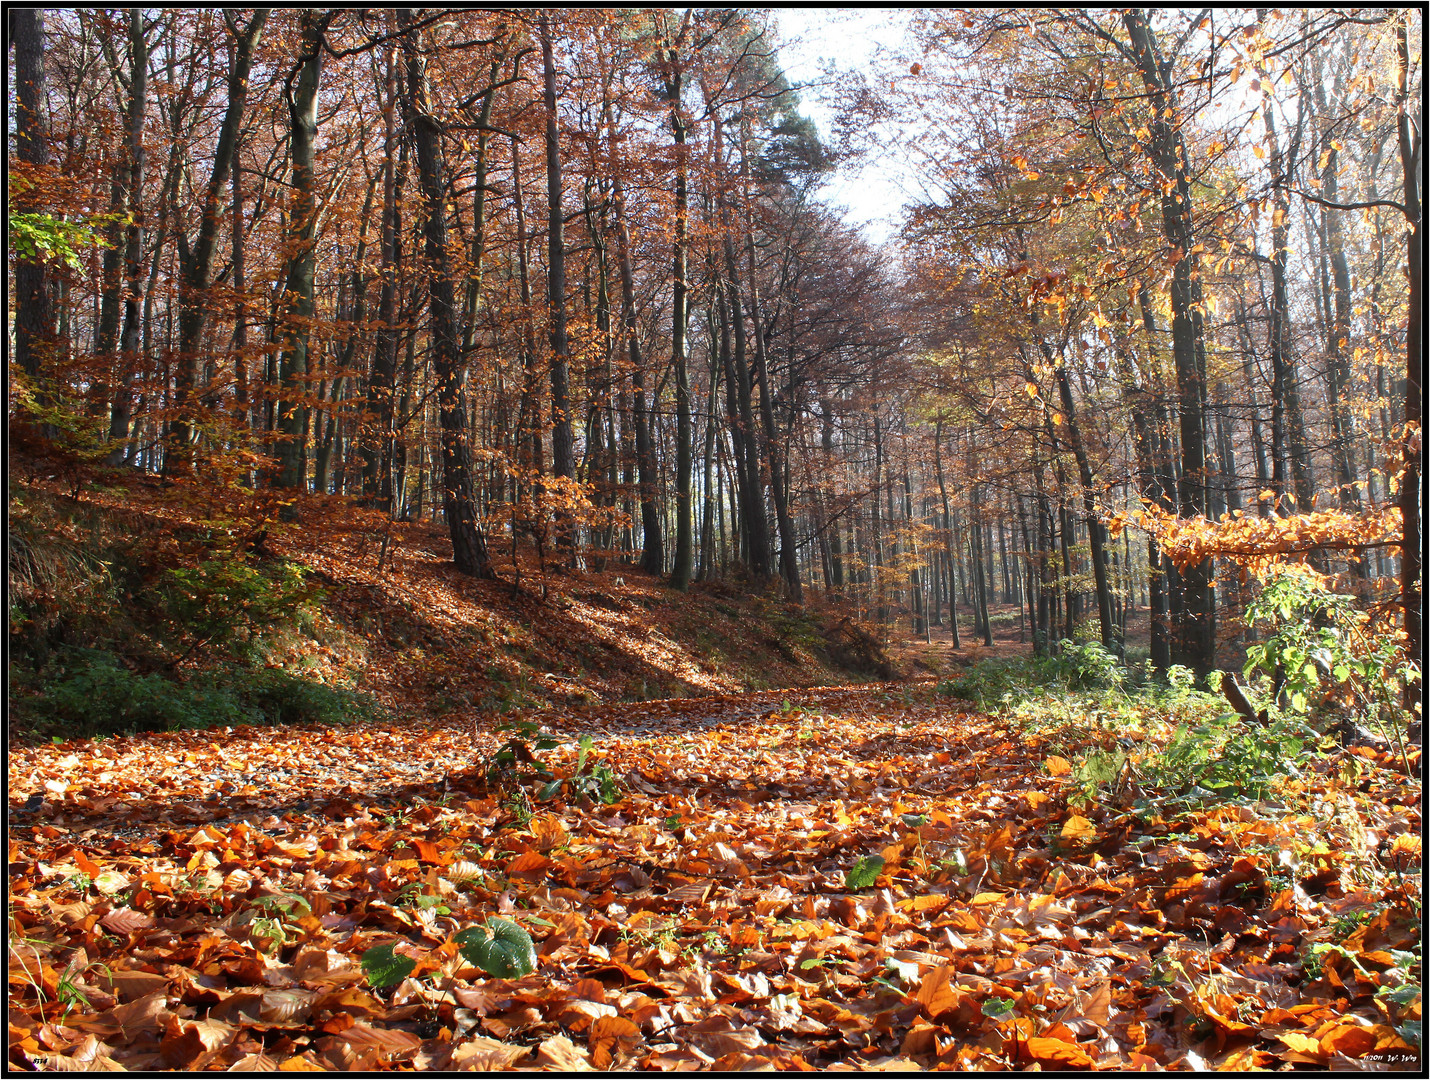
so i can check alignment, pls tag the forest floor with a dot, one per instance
(768, 866)
(205, 899)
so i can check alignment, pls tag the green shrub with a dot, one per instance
(226, 604)
(88, 692)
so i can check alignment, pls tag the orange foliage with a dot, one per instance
(1260, 544)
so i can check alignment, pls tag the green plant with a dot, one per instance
(864, 873)
(501, 948)
(598, 782)
(1217, 761)
(1320, 652)
(228, 603)
(87, 691)
(524, 739)
(382, 967)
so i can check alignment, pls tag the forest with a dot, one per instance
(714, 538)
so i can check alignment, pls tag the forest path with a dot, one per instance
(728, 909)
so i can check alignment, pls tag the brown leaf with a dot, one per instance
(386, 1040)
(480, 1054)
(1349, 1040)
(125, 920)
(560, 1054)
(191, 1044)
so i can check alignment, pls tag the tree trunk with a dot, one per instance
(563, 459)
(34, 319)
(684, 450)
(653, 552)
(379, 448)
(469, 548)
(1196, 641)
(133, 247)
(1089, 506)
(1410, 138)
(293, 369)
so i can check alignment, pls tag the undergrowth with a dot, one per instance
(115, 630)
(1152, 742)
(86, 692)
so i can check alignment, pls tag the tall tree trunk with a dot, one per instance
(1095, 533)
(34, 319)
(469, 548)
(1196, 640)
(836, 552)
(1288, 425)
(379, 448)
(530, 455)
(1258, 439)
(1338, 311)
(563, 457)
(653, 552)
(196, 262)
(752, 508)
(1409, 135)
(293, 368)
(947, 538)
(789, 567)
(684, 450)
(129, 340)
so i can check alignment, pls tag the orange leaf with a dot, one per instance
(1057, 766)
(1349, 1040)
(1057, 1053)
(937, 994)
(1078, 830)
(429, 852)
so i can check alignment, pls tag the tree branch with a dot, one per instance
(1351, 206)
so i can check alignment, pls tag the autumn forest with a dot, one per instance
(615, 538)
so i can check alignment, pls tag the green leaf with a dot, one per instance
(586, 743)
(501, 948)
(548, 791)
(383, 967)
(913, 821)
(1400, 995)
(864, 873)
(998, 1009)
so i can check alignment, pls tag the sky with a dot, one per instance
(814, 39)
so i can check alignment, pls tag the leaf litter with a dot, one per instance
(830, 879)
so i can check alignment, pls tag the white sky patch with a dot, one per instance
(812, 42)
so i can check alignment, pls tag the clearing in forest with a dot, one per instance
(851, 877)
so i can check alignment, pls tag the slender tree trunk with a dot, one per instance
(1409, 136)
(653, 553)
(469, 547)
(563, 458)
(294, 366)
(34, 319)
(129, 340)
(378, 450)
(1089, 506)
(684, 526)
(789, 568)
(1196, 643)
(1288, 426)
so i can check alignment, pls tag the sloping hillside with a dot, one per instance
(109, 561)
